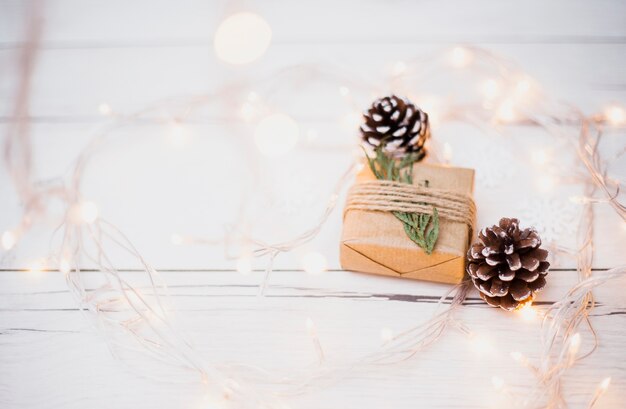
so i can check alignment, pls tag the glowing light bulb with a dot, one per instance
(527, 312)
(578, 199)
(105, 109)
(333, 199)
(178, 134)
(242, 38)
(447, 153)
(351, 121)
(460, 57)
(37, 267)
(490, 88)
(506, 112)
(248, 111)
(517, 356)
(244, 265)
(176, 239)
(432, 105)
(228, 390)
(310, 326)
(546, 183)
(574, 344)
(522, 86)
(398, 68)
(8, 240)
(85, 212)
(314, 262)
(600, 390)
(250, 108)
(64, 266)
(480, 345)
(386, 334)
(276, 135)
(497, 382)
(615, 115)
(311, 135)
(539, 157)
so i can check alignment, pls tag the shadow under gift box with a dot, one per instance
(375, 241)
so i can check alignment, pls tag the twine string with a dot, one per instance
(389, 196)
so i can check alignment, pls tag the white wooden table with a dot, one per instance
(130, 54)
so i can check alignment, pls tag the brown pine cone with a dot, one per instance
(398, 125)
(506, 265)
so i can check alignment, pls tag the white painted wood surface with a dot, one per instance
(130, 54)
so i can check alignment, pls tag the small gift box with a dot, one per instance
(374, 240)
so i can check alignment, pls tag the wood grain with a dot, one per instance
(42, 324)
(130, 54)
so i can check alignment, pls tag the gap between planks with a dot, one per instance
(220, 270)
(204, 42)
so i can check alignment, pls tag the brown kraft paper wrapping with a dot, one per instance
(375, 241)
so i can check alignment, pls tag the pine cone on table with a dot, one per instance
(397, 126)
(507, 265)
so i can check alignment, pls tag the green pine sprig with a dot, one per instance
(421, 228)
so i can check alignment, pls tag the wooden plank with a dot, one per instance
(198, 197)
(72, 23)
(87, 78)
(219, 311)
(44, 291)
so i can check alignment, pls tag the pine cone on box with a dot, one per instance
(507, 265)
(397, 125)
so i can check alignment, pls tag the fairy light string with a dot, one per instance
(136, 319)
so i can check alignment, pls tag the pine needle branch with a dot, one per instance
(421, 228)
